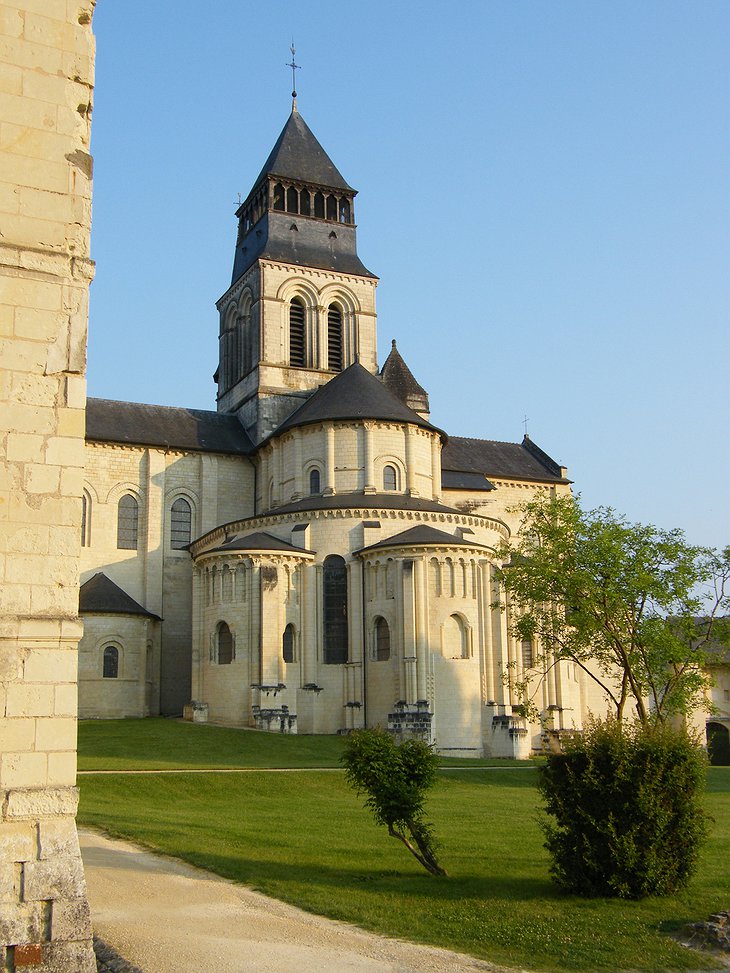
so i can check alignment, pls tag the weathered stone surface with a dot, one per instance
(58, 878)
(69, 957)
(57, 838)
(17, 841)
(71, 920)
(42, 802)
(21, 923)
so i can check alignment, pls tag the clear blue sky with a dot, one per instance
(543, 191)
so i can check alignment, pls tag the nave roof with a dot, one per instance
(136, 423)
(519, 461)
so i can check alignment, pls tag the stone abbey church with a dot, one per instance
(316, 555)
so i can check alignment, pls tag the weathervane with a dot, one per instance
(525, 422)
(294, 68)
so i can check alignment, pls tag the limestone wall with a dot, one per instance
(158, 576)
(350, 457)
(46, 79)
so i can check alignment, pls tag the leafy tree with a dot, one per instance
(634, 606)
(625, 813)
(395, 777)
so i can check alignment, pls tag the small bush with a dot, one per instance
(395, 777)
(624, 806)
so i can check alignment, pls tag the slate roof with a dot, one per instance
(100, 595)
(421, 536)
(397, 377)
(353, 394)
(166, 426)
(297, 155)
(259, 541)
(465, 480)
(310, 245)
(519, 461)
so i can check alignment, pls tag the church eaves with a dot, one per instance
(354, 394)
(423, 535)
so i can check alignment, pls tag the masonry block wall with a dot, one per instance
(46, 79)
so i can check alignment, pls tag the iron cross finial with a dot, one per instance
(294, 68)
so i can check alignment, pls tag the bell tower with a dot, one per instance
(301, 305)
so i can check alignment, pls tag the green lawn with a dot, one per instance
(163, 744)
(305, 838)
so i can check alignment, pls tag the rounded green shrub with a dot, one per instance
(623, 810)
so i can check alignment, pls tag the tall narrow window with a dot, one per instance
(334, 580)
(304, 202)
(435, 577)
(527, 659)
(456, 640)
(278, 196)
(110, 662)
(85, 519)
(292, 200)
(390, 478)
(297, 352)
(334, 338)
(287, 644)
(181, 519)
(127, 523)
(225, 645)
(344, 211)
(332, 208)
(382, 640)
(314, 482)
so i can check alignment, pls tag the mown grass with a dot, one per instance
(164, 744)
(305, 838)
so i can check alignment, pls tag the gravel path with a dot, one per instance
(164, 916)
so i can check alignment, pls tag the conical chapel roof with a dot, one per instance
(354, 394)
(397, 377)
(298, 155)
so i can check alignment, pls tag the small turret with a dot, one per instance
(397, 377)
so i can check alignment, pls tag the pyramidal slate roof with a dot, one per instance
(100, 595)
(354, 394)
(521, 461)
(397, 377)
(421, 536)
(298, 155)
(166, 426)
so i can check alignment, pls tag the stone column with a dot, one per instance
(409, 633)
(299, 485)
(410, 460)
(309, 624)
(436, 467)
(329, 463)
(422, 643)
(198, 648)
(270, 636)
(255, 621)
(276, 473)
(368, 485)
(485, 625)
